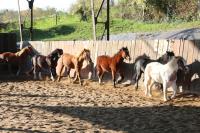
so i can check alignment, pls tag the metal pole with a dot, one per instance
(108, 20)
(20, 28)
(31, 28)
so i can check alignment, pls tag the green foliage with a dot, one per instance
(71, 28)
(157, 10)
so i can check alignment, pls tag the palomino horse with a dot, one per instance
(164, 74)
(72, 62)
(112, 64)
(17, 58)
(143, 60)
(48, 62)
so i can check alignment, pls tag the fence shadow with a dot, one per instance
(165, 118)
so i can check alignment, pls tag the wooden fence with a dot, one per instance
(189, 49)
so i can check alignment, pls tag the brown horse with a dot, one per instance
(17, 58)
(112, 64)
(72, 62)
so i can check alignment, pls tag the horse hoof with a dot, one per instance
(166, 99)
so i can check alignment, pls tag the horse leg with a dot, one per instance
(134, 77)
(68, 72)
(100, 74)
(40, 75)
(165, 98)
(146, 84)
(19, 70)
(51, 72)
(174, 90)
(35, 72)
(59, 73)
(78, 75)
(113, 77)
(150, 87)
(120, 79)
(79, 78)
(10, 69)
(138, 78)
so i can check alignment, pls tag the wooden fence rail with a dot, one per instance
(189, 49)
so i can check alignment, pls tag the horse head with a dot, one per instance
(125, 53)
(59, 52)
(56, 54)
(166, 57)
(182, 64)
(26, 51)
(30, 51)
(85, 54)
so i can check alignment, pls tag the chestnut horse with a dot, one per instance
(112, 64)
(72, 62)
(49, 62)
(18, 57)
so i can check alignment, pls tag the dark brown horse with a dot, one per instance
(72, 62)
(49, 62)
(184, 79)
(17, 58)
(112, 64)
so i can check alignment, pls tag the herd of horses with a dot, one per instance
(166, 71)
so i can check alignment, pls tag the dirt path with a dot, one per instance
(45, 106)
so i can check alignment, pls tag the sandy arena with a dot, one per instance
(46, 106)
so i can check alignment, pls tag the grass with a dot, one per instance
(71, 28)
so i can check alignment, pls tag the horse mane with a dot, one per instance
(123, 49)
(53, 52)
(19, 53)
(84, 50)
(144, 56)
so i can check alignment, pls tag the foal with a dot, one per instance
(72, 62)
(164, 74)
(112, 64)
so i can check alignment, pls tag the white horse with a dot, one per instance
(164, 74)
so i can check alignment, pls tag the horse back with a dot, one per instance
(104, 62)
(9, 57)
(68, 60)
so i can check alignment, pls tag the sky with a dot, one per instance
(58, 4)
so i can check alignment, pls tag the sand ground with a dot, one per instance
(46, 106)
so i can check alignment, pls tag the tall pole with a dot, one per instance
(30, 4)
(93, 20)
(20, 28)
(108, 20)
(94, 35)
(31, 28)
